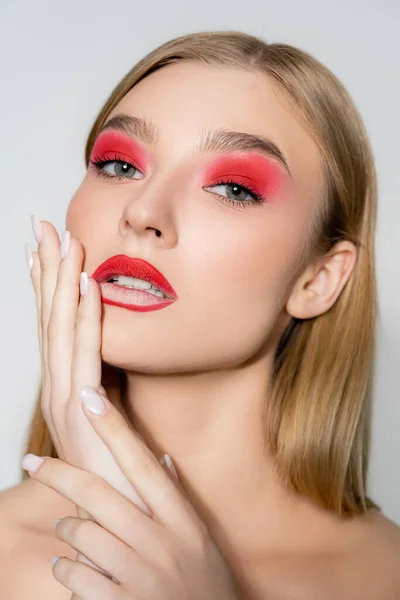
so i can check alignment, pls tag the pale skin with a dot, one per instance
(191, 390)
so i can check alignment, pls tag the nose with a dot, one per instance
(150, 212)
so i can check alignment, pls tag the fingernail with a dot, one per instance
(170, 465)
(53, 560)
(29, 256)
(66, 236)
(56, 522)
(84, 283)
(92, 400)
(37, 228)
(31, 462)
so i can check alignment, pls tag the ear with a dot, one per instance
(318, 288)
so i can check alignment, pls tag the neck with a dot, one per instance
(211, 425)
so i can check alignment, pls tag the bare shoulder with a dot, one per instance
(388, 530)
(365, 566)
(382, 535)
(27, 544)
(370, 568)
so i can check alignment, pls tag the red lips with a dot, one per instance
(133, 267)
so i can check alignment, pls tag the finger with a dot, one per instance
(95, 495)
(45, 385)
(113, 382)
(61, 327)
(35, 278)
(49, 257)
(168, 504)
(86, 356)
(98, 545)
(85, 582)
(87, 365)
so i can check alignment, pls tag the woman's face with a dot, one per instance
(232, 265)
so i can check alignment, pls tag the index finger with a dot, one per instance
(166, 499)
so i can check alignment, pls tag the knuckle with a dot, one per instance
(51, 471)
(51, 331)
(65, 571)
(149, 462)
(95, 490)
(115, 426)
(84, 318)
(201, 538)
(79, 530)
(35, 277)
(168, 558)
(44, 266)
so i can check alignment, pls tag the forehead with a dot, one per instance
(187, 98)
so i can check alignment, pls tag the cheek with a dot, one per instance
(89, 223)
(87, 215)
(245, 276)
(75, 214)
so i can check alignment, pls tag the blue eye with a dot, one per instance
(237, 191)
(122, 165)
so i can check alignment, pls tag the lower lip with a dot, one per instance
(138, 300)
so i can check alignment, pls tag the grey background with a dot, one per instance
(59, 61)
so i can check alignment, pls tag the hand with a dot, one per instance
(169, 555)
(69, 331)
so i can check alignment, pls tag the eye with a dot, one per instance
(237, 194)
(117, 168)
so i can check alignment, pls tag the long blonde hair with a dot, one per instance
(317, 418)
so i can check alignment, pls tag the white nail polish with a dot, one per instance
(56, 522)
(170, 465)
(31, 462)
(28, 256)
(65, 238)
(84, 283)
(92, 400)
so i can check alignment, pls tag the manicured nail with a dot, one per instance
(65, 238)
(37, 228)
(170, 465)
(28, 256)
(53, 560)
(56, 522)
(31, 462)
(92, 400)
(84, 283)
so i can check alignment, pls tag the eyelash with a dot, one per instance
(99, 163)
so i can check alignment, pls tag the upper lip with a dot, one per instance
(133, 267)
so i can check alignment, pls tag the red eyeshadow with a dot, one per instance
(264, 177)
(115, 141)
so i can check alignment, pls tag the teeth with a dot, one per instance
(140, 284)
(132, 282)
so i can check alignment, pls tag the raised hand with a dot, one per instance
(169, 556)
(69, 331)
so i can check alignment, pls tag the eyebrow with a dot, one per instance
(219, 140)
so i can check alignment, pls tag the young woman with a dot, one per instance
(234, 177)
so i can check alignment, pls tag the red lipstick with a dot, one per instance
(133, 299)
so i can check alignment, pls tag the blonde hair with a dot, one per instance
(317, 416)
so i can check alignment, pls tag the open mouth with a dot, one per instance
(129, 297)
(132, 283)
